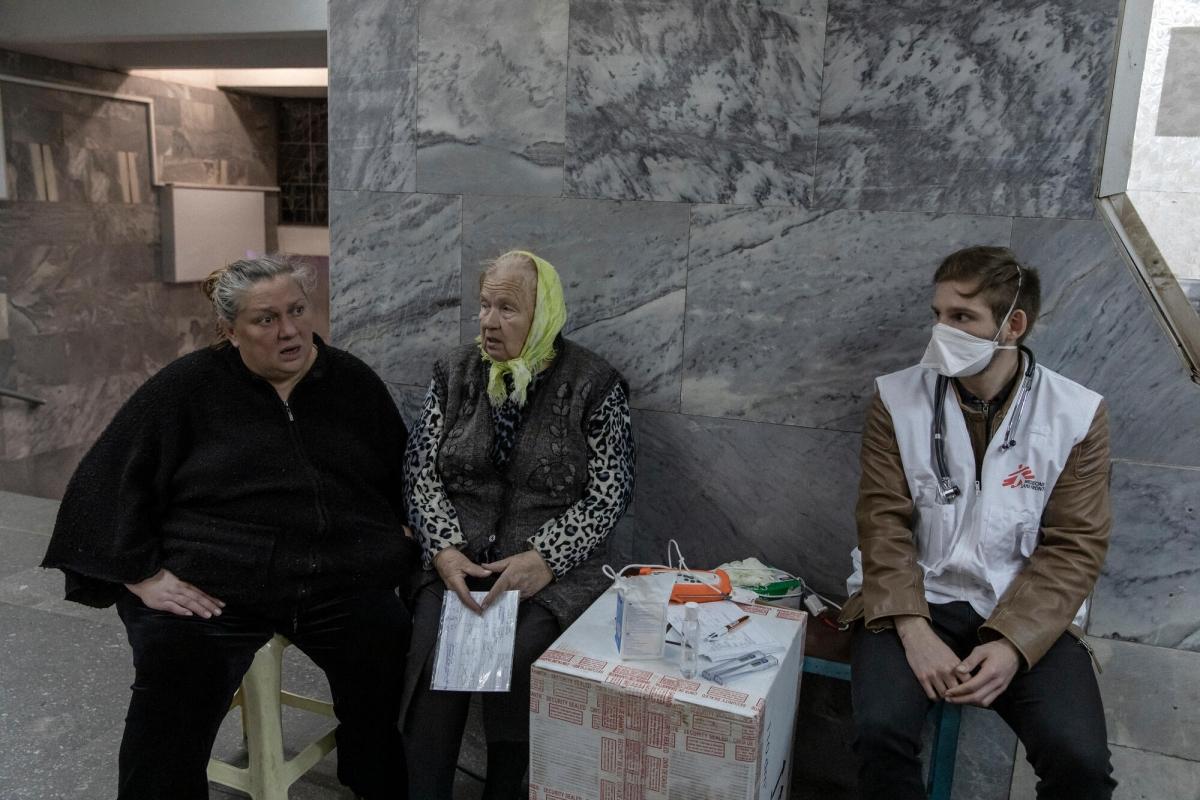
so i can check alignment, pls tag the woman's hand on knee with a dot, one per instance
(453, 568)
(163, 591)
(931, 660)
(526, 572)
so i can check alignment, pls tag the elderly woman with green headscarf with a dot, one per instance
(519, 468)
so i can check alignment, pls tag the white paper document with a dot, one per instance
(716, 642)
(475, 651)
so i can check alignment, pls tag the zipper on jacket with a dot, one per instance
(322, 513)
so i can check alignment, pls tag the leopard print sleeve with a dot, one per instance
(569, 538)
(430, 511)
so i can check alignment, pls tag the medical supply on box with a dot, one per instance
(641, 614)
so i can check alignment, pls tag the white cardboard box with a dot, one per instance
(603, 729)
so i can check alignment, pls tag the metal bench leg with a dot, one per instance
(946, 721)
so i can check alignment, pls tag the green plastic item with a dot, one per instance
(777, 588)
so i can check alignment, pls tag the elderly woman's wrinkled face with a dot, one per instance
(273, 330)
(506, 302)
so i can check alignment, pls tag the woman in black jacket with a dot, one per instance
(247, 489)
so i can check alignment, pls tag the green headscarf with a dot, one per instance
(549, 316)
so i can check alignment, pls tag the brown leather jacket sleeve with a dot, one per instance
(892, 580)
(1042, 600)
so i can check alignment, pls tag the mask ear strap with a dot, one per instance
(1012, 306)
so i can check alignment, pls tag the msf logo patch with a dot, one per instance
(1023, 478)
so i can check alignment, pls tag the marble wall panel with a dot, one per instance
(695, 101)
(490, 102)
(1097, 327)
(728, 489)
(623, 266)
(1191, 290)
(74, 414)
(394, 280)
(372, 94)
(935, 105)
(59, 267)
(89, 318)
(791, 314)
(1179, 106)
(1149, 590)
(408, 400)
(42, 474)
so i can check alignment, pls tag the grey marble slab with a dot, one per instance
(1149, 588)
(409, 400)
(791, 314)
(73, 414)
(983, 765)
(1140, 774)
(1097, 327)
(44, 590)
(1179, 105)
(622, 265)
(22, 550)
(24, 513)
(490, 102)
(694, 101)
(728, 489)
(43, 474)
(1151, 697)
(65, 692)
(394, 280)
(935, 105)
(372, 94)
(1191, 289)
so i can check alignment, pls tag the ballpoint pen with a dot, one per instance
(737, 623)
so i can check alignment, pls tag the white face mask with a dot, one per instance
(958, 354)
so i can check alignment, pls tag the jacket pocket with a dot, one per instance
(1029, 535)
(227, 559)
(934, 524)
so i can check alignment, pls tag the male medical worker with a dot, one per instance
(983, 521)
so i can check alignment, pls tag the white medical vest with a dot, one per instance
(972, 548)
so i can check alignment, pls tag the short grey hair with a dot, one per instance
(226, 287)
(514, 257)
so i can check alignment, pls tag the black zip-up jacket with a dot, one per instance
(206, 472)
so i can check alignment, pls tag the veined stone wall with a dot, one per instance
(88, 318)
(746, 201)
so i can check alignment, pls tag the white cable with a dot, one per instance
(682, 564)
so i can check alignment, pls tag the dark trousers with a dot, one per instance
(187, 670)
(1054, 708)
(435, 720)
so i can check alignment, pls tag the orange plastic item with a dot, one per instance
(696, 585)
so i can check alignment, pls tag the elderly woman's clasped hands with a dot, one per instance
(525, 572)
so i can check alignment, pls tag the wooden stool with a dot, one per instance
(827, 653)
(262, 698)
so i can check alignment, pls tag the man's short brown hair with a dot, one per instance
(996, 275)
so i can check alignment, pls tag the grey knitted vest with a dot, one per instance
(547, 469)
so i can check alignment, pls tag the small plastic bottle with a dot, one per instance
(689, 653)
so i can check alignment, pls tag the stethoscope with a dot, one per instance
(947, 489)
